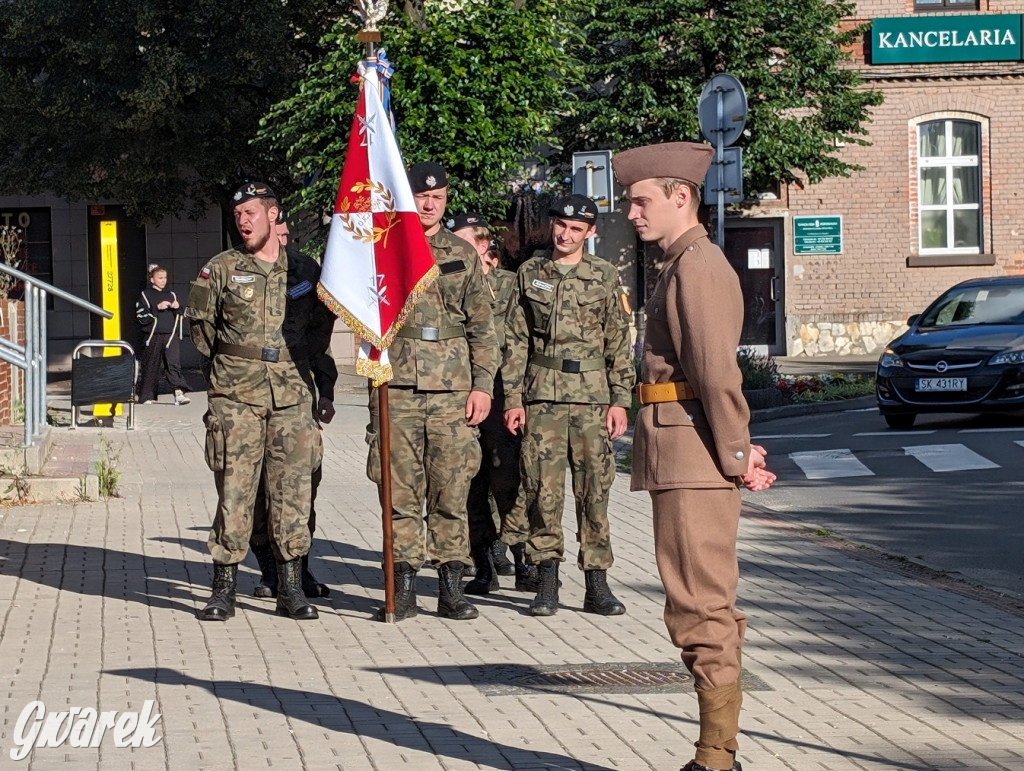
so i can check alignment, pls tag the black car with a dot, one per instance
(965, 353)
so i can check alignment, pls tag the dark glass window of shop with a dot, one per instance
(36, 241)
(945, 5)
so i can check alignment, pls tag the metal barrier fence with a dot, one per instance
(31, 357)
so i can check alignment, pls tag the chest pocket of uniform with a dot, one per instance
(655, 308)
(451, 282)
(591, 303)
(539, 303)
(240, 298)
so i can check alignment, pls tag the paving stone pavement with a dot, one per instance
(848, 665)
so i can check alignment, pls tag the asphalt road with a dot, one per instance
(946, 494)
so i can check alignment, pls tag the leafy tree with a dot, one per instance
(648, 61)
(477, 89)
(152, 103)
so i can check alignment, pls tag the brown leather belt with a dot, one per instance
(676, 391)
(432, 334)
(259, 354)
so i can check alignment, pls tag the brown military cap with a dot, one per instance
(676, 160)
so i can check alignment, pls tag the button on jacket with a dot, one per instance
(575, 317)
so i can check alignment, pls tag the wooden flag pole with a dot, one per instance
(369, 36)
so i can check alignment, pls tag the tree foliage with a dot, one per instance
(151, 103)
(476, 90)
(647, 63)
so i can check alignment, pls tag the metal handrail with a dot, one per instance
(32, 356)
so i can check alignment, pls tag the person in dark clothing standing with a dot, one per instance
(160, 316)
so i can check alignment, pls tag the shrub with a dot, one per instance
(759, 369)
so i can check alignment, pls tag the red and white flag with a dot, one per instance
(377, 262)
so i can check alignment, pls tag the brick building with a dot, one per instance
(939, 200)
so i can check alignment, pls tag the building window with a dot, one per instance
(949, 187)
(945, 5)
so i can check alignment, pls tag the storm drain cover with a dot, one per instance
(631, 677)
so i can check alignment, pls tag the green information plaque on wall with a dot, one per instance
(964, 38)
(818, 235)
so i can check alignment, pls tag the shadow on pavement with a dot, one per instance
(339, 714)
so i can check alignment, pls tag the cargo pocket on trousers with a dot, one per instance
(318, 450)
(214, 443)
(373, 457)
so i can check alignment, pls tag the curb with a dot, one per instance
(811, 408)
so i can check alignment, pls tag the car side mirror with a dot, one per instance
(911, 319)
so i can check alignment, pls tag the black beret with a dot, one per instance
(251, 190)
(470, 220)
(575, 207)
(427, 175)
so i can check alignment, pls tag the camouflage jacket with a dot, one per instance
(236, 301)
(501, 284)
(458, 297)
(573, 317)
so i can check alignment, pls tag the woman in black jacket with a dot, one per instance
(159, 314)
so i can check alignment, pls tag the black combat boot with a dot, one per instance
(310, 586)
(546, 601)
(599, 598)
(290, 600)
(502, 564)
(693, 765)
(221, 606)
(405, 593)
(486, 579)
(264, 553)
(450, 602)
(526, 575)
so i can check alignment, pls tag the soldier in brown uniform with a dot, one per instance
(568, 379)
(444, 361)
(256, 318)
(691, 443)
(499, 468)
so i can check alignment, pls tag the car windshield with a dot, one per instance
(1003, 304)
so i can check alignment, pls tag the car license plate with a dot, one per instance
(942, 384)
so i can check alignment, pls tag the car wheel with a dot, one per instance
(901, 421)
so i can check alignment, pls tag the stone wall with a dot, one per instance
(824, 337)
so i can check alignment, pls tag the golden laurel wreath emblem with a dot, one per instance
(368, 235)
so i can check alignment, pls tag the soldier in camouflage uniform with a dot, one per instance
(325, 376)
(256, 318)
(444, 359)
(499, 469)
(567, 360)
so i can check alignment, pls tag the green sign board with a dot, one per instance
(818, 235)
(965, 38)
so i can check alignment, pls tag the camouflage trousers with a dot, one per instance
(498, 477)
(243, 442)
(556, 433)
(260, 520)
(434, 455)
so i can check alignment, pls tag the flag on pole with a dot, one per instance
(377, 262)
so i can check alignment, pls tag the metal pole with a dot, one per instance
(591, 242)
(30, 368)
(719, 156)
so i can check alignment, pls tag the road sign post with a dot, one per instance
(722, 114)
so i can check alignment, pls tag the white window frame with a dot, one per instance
(949, 162)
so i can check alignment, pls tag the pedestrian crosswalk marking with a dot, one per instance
(763, 437)
(1020, 442)
(922, 432)
(949, 457)
(990, 430)
(830, 464)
